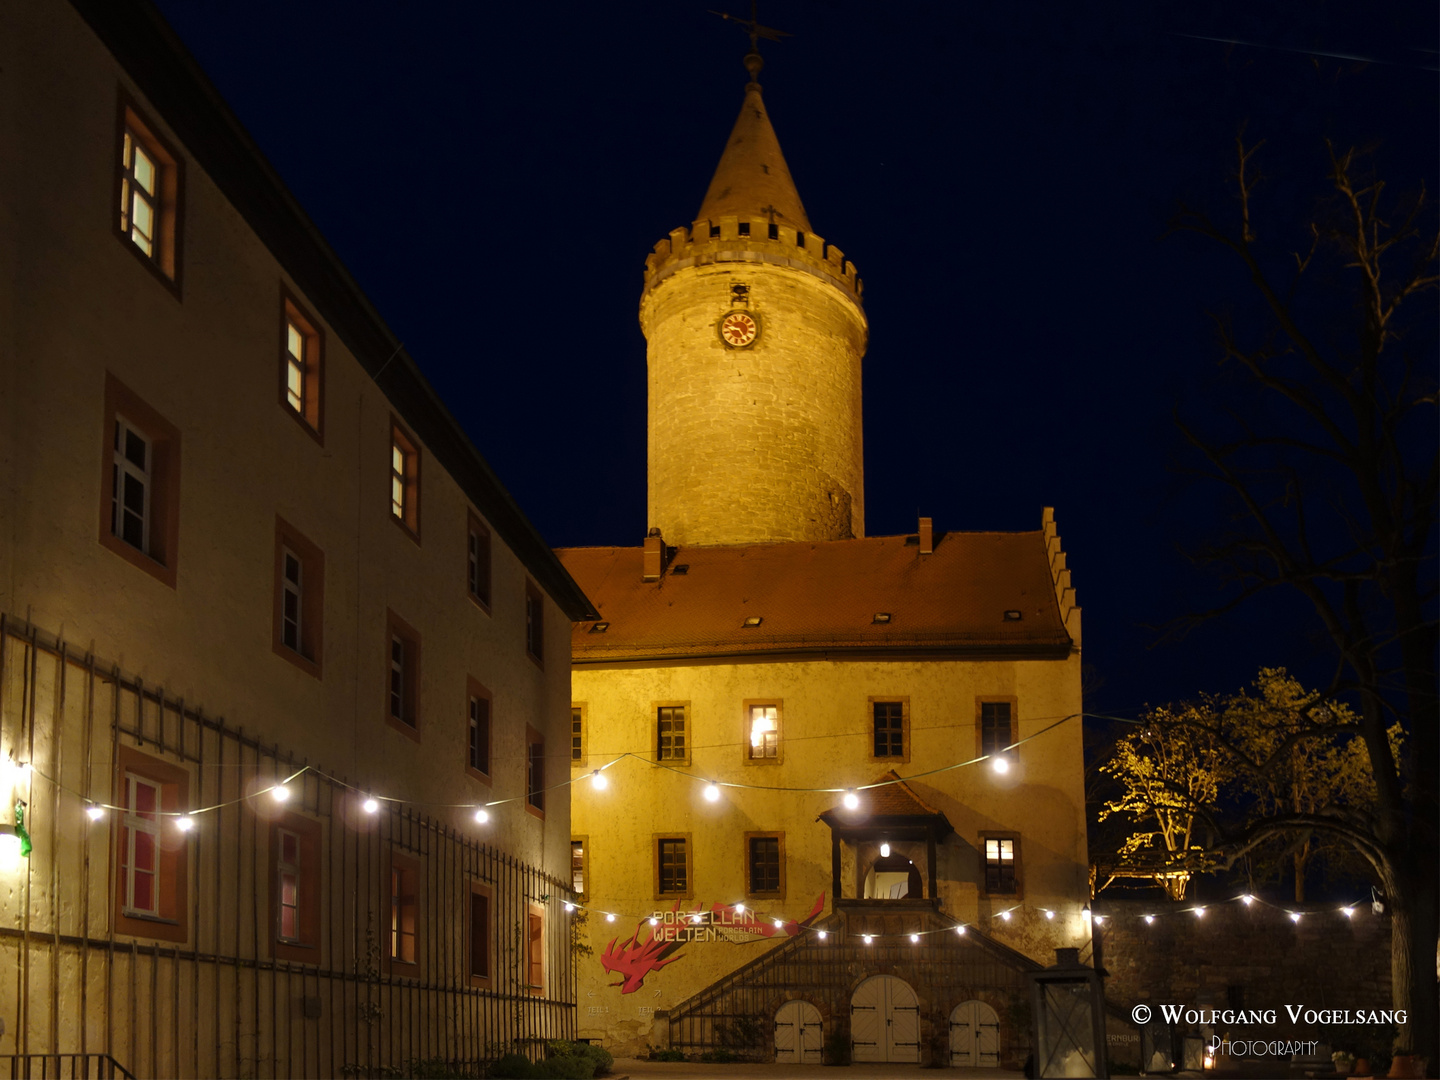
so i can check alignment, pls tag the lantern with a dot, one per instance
(1068, 1004)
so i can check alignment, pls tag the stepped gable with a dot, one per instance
(822, 598)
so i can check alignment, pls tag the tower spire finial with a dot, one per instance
(753, 60)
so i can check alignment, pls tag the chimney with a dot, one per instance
(927, 536)
(654, 557)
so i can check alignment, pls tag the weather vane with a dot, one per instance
(756, 31)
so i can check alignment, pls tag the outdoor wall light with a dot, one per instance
(884, 851)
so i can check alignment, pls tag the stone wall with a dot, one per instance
(1324, 961)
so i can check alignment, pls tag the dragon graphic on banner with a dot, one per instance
(670, 931)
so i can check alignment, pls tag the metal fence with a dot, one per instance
(220, 1003)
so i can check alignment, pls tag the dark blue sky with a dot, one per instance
(1001, 174)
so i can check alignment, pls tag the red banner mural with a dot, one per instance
(670, 931)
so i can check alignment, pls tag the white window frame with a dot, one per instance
(131, 189)
(398, 492)
(475, 740)
(397, 678)
(283, 869)
(123, 467)
(763, 712)
(292, 588)
(136, 823)
(664, 752)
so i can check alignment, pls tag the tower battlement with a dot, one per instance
(734, 238)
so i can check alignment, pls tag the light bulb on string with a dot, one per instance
(914, 939)
(884, 851)
(1000, 765)
(609, 916)
(94, 813)
(569, 907)
(739, 909)
(851, 801)
(370, 805)
(1294, 916)
(1348, 912)
(1005, 915)
(280, 793)
(868, 938)
(598, 781)
(654, 921)
(1247, 899)
(1149, 919)
(960, 930)
(185, 823)
(482, 816)
(1099, 920)
(1049, 914)
(712, 792)
(1199, 912)
(822, 935)
(779, 924)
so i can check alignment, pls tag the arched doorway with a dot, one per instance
(798, 1033)
(885, 1020)
(974, 1035)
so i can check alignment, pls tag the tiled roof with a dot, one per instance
(888, 806)
(822, 598)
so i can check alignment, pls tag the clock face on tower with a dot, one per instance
(739, 329)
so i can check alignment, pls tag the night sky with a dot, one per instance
(1001, 174)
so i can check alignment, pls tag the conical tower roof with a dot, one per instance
(752, 180)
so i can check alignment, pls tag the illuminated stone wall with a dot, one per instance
(761, 443)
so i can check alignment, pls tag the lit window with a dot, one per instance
(295, 887)
(151, 854)
(764, 732)
(670, 733)
(672, 866)
(404, 481)
(300, 365)
(148, 215)
(1000, 866)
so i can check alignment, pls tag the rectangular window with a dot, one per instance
(301, 366)
(299, 598)
(140, 481)
(577, 734)
(534, 772)
(1002, 865)
(477, 750)
(535, 937)
(295, 888)
(402, 675)
(404, 480)
(477, 562)
(403, 946)
(763, 730)
(287, 872)
(670, 742)
(577, 865)
(151, 852)
(765, 864)
(149, 185)
(672, 867)
(890, 720)
(478, 934)
(995, 726)
(534, 623)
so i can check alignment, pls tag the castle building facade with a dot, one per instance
(273, 637)
(797, 839)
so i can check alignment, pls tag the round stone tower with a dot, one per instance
(755, 336)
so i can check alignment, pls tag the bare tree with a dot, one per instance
(1327, 454)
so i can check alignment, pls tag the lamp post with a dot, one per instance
(1068, 1004)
